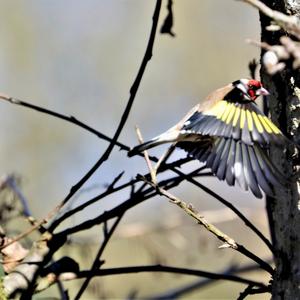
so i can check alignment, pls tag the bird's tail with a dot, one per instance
(167, 137)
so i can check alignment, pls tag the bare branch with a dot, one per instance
(158, 268)
(70, 119)
(148, 162)
(134, 199)
(177, 292)
(97, 262)
(229, 242)
(37, 225)
(128, 184)
(289, 23)
(194, 214)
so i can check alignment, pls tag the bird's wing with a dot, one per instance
(235, 161)
(244, 122)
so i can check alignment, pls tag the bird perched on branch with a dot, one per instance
(231, 135)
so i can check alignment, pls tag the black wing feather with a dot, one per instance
(249, 172)
(221, 172)
(235, 161)
(219, 152)
(210, 123)
(260, 176)
(230, 176)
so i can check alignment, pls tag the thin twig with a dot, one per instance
(70, 119)
(108, 191)
(136, 198)
(193, 213)
(97, 262)
(164, 158)
(175, 293)
(147, 159)
(229, 242)
(37, 225)
(246, 221)
(160, 268)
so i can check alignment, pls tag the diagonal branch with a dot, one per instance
(229, 242)
(70, 119)
(246, 221)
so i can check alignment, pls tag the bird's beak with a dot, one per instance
(262, 91)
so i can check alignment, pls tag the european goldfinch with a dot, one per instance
(231, 135)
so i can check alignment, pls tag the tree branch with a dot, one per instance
(229, 242)
(177, 292)
(158, 268)
(289, 23)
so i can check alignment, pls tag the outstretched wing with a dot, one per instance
(244, 122)
(234, 161)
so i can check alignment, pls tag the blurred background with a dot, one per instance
(80, 58)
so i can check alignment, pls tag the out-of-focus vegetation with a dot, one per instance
(80, 58)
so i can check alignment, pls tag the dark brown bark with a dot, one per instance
(283, 211)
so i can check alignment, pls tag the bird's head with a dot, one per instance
(248, 90)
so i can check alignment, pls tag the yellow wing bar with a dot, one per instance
(242, 115)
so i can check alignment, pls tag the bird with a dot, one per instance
(231, 135)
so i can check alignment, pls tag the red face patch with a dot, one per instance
(252, 94)
(253, 86)
(255, 83)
